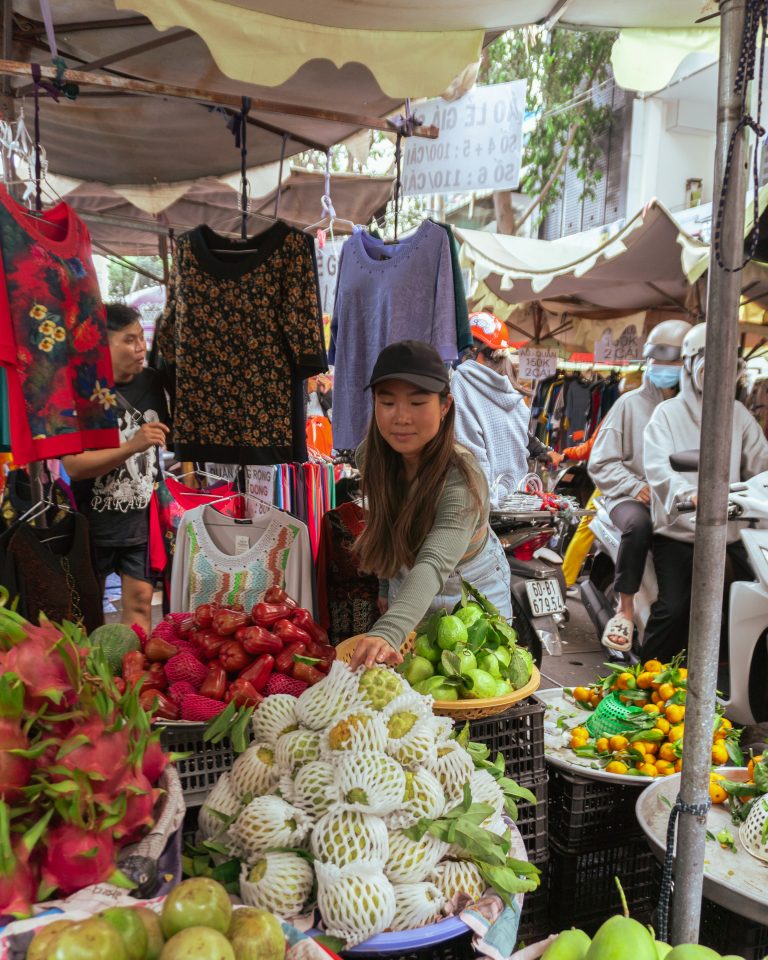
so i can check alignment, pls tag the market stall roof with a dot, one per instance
(116, 214)
(650, 262)
(362, 58)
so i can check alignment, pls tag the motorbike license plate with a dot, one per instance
(544, 597)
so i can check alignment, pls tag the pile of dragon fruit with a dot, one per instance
(79, 764)
(193, 665)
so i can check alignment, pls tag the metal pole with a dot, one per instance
(714, 468)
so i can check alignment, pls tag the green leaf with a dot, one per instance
(463, 737)
(450, 664)
(734, 752)
(432, 624)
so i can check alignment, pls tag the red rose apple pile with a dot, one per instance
(193, 665)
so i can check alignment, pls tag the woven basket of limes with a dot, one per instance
(467, 659)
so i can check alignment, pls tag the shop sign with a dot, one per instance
(537, 364)
(260, 483)
(627, 349)
(328, 271)
(480, 146)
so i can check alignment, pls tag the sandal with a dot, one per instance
(618, 634)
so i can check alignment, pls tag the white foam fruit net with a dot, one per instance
(453, 768)
(484, 789)
(443, 728)
(416, 905)
(371, 782)
(329, 699)
(220, 804)
(345, 836)
(753, 833)
(269, 822)
(280, 882)
(356, 902)
(356, 731)
(296, 748)
(423, 798)
(254, 772)
(378, 686)
(418, 747)
(313, 788)
(410, 861)
(273, 717)
(458, 876)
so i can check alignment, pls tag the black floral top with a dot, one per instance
(237, 328)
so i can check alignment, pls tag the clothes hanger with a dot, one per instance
(329, 213)
(200, 473)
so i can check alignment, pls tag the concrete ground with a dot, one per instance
(582, 657)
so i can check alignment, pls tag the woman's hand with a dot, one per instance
(372, 650)
(555, 458)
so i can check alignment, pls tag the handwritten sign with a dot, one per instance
(480, 146)
(537, 364)
(261, 484)
(627, 349)
(328, 271)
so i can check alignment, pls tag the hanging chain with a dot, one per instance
(245, 187)
(698, 810)
(756, 19)
(74, 594)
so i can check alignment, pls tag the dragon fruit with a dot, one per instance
(155, 760)
(18, 878)
(41, 667)
(75, 858)
(139, 807)
(15, 771)
(96, 756)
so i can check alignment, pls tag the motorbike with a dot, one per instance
(743, 678)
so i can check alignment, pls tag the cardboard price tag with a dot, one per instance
(627, 349)
(537, 364)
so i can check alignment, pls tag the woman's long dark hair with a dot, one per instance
(398, 518)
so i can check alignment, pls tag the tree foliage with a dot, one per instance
(122, 280)
(561, 67)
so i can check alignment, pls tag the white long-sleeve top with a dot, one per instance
(492, 423)
(224, 560)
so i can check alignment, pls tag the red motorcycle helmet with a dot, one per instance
(488, 329)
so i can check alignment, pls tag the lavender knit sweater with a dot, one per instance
(386, 293)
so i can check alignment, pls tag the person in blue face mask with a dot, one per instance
(616, 466)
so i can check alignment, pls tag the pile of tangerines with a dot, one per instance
(652, 743)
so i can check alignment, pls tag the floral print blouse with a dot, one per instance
(53, 335)
(238, 328)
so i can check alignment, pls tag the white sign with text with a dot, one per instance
(537, 364)
(627, 349)
(261, 484)
(328, 271)
(480, 146)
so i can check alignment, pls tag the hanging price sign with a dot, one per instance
(537, 364)
(627, 349)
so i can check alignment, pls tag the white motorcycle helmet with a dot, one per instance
(665, 340)
(692, 354)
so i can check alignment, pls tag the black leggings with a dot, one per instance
(634, 520)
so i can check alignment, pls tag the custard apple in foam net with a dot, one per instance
(220, 804)
(458, 876)
(423, 798)
(273, 717)
(410, 861)
(485, 789)
(443, 728)
(416, 749)
(280, 882)
(313, 788)
(345, 836)
(329, 699)
(406, 711)
(296, 748)
(269, 822)
(356, 731)
(371, 782)
(378, 686)
(254, 773)
(355, 902)
(416, 905)
(453, 767)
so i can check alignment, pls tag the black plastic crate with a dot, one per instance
(582, 886)
(534, 920)
(532, 822)
(458, 948)
(518, 735)
(204, 765)
(727, 932)
(588, 814)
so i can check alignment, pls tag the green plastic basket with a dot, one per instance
(611, 717)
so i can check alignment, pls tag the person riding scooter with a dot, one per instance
(676, 426)
(616, 466)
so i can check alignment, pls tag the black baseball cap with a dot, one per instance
(415, 362)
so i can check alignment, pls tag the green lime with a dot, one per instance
(503, 655)
(417, 669)
(423, 648)
(467, 659)
(469, 614)
(445, 693)
(450, 632)
(483, 685)
(503, 687)
(490, 663)
(435, 687)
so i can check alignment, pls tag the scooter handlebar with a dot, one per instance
(686, 506)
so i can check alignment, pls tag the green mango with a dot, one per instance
(620, 938)
(570, 945)
(692, 951)
(662, 949)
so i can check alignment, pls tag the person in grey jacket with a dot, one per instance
(616, 466)
(676, 427)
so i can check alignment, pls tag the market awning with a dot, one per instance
(650, 262)
(215, 202)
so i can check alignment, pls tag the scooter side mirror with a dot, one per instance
(685, 462)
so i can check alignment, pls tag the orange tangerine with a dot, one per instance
(683, 671)
(664, 725)
(626, 681)
(719, 754)
(602, 745)
(577, 742)
(581, 732)
(655, 698)
(618, 743)
(616, 766)
(652, 709)
(645, 680)
(716, 792)
(666, 691)
(751, 765)
(667, 752)
(674, 713)
(639, 746)
(581, 694)
(653, 666)
(648, 769)
(678, 765)
(676, 732)
(664, 768)
(651, 747)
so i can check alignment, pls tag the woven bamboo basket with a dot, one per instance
(457, 709)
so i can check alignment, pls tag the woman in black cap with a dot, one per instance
(426, 500)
